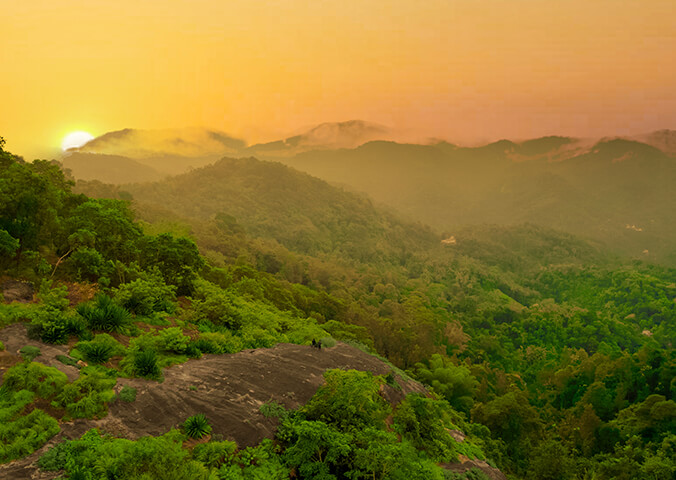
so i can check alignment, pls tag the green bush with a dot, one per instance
(100, 349)
(35, 377)
(128, 394)
(145, 364)
(96, 352)
(172, 340)
(88, 396)
(197, 426)
(12, 403)
(21, 437)
(103, 314)
(348, 400)
(214, 454)
(50, 321)
(2, 346)
(148, 458)
(29, 353)
(215, 305)
(219, 342)
(16, 312)
(273, 409)
(147, 295)
(424, 421)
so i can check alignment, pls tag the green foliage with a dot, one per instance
(88, 396)
(2, 347)
(259, 462)
(197, 426)
(552, 347)
(29, 352)
(455, 383)
(349, 400)
(218, 342)
(145, 364)
(103, 314)
(149, 458)
(8, 244)
(50, 321)
(216, 306)
(128, 394)
(214, 454)
(172, 340)
(378, 454)
(44, 381)
(424, 422)
(176, 258)
(100, 349)
(147, 295)
(22, 436)
(15, 312)
(317, 449)
(273, 409)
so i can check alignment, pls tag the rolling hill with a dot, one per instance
(616, 191)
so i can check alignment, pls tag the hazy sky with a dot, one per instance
(464, 70)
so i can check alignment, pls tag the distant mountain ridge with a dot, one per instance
(618, 191)
(615, 190)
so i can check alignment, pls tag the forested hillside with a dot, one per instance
(552, 354)
(616, 191)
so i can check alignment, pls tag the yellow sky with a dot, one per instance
(459, 69)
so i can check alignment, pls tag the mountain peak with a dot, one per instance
(184, 142)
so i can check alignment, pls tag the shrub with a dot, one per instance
(147, 295)
(108, 457)
(423, 421)
(173, 340)
(193, 351)
(53, 326)
(145, 364)
(348, 399)
(104, 315)
(26, 434)
(273, 409)
(217, 306)
(128, 394)
(35, 377)
(96, 352)
(100, 349)
(219, 342)
(214, 454)
(2, 346)
(206, 346)
(29, 352)
(197, 426)
(87, 396)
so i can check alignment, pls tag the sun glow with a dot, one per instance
(75, 140)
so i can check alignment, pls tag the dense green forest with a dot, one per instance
(553, 355)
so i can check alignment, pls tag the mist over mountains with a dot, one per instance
(614, 190)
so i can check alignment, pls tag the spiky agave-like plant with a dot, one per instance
(197, 426)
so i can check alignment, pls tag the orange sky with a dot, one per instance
(464, 70)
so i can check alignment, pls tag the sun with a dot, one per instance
(75, 140)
